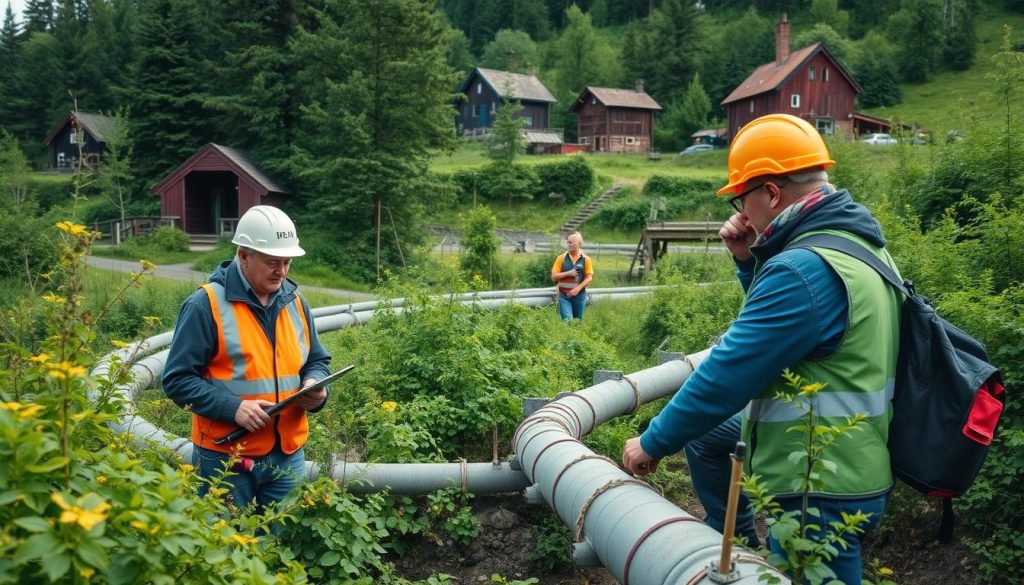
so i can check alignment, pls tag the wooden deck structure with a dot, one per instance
(654, 241)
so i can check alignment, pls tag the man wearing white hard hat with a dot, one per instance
(244, 341)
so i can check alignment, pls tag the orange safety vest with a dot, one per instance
(248, 366)
(567, 284)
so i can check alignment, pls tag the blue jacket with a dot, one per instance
(195, 343)
(796, 310)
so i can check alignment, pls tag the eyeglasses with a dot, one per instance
(737, 201)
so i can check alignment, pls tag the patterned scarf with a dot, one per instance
(796, 208)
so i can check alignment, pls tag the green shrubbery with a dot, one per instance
(571, 180)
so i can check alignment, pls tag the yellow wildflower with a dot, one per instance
(220, 524)
(40, 359)
(811, 388)
(86, 572)
(389, 406)
(186, 468)
(66, 369)
(29, 411)
(52, 298)
(140, 525)
(11, 406)
(101, 479)
(242, 539)
(119, 344)
(77, 514)
(147, 265)
(886, 571)
(151, 320)
(72, 229)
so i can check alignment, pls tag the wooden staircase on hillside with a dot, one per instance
(574, 223)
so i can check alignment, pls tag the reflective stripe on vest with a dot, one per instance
(827, 404)
(248, 366)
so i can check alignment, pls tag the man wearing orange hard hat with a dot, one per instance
(814, 311)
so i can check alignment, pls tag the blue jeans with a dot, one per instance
(571, 307)
(271, 478)
(711, 467)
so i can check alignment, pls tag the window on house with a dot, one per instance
(794, 100)
(825, 125)
(73, 136)
(529, 121)
(810, 73)
(479, 87)
(584, 140)
(593, 100)
(751, 106)
(630, 140)
(826, 74)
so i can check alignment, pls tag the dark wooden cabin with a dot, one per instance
(213, 188)
(809, 83)
(485, 90)
(63, 140)
(615, 120)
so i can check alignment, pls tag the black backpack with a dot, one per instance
(947, 399)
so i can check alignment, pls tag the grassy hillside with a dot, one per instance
(951, 98)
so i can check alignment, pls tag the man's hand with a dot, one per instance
(313, 399)
(738, 235)
(251, 416)
(636, 460)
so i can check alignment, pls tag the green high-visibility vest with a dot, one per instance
(859, 378)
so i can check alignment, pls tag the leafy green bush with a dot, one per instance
(572, 179)
(623, 214)
(687, 317)
(49, 191)
(479, 258)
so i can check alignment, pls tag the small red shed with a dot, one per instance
(213, 188)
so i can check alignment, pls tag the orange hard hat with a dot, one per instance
(776, 144)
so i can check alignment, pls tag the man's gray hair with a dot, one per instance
(808, 176)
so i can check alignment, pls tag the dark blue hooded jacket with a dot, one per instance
(796, 310)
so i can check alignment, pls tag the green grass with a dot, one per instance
(953, 99)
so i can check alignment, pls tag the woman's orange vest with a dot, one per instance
(248, 366)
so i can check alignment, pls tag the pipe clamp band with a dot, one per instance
(636, 392)
(464, 473)
(581, 519)
(643, 537)
(533, 469)
(593, 413)
(584, 457)
(554, 406)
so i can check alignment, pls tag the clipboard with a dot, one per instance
(276, 408)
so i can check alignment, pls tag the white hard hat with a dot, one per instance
(268, 230)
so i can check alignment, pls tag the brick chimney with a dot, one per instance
(639, 85)
(782, 41)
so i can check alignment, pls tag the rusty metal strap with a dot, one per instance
(643, 537)
(636, 393)
(464, 473)
(554, 406)
(584, 457)
(581, 519)
(533, 469)
(537, 419)
(593, 413)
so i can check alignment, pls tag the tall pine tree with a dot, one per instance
(38, 15)
(10, 50)
(381, 97)
(169, 122)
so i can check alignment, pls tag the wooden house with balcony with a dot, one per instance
(615, 120)
(206, 195)
(92, 130)
(809, 83)
(486, 90)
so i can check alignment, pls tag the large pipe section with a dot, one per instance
(618, 520)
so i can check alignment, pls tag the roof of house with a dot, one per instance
(535, 137)
(617, 98)
(96, 125)
(771, 76)
(716, 132)
(238, 159)
(508, 85)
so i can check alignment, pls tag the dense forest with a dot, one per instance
(328, 93)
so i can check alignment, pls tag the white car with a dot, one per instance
(878, 138)
(697, 148)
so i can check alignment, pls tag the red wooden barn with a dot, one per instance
(212, 189)
(809, 83)
(615, 120)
